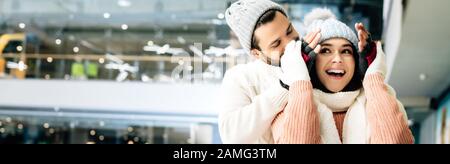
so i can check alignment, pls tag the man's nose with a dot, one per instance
(284, 42)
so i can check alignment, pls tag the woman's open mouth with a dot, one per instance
(335, 73)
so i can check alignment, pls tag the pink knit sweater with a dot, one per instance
(298, 123)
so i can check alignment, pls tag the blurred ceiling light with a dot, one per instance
(124, 26)
(114, 58)
(8, 119)
(101, 60)
(21, 66)
(223, 51)
(101, 138)
(49, 59)
(20, 126)
(76, 49)
(124, 3)
(423, 77)
(216, 51)
(151, 48)
(92, 132)
(106, 15)
(165, 49)
(58, 41)
(130, 129)
(150, 43)
(220, 16)
(46, 125)
(19, 48)
(22, 25)
(124, 68)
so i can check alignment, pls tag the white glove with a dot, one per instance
(379, 64)
(292, 64)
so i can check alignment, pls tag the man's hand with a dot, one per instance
(292, 65)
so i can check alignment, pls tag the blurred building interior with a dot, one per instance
(149, 71)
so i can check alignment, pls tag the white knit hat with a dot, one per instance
(243, 15)
(330, 27)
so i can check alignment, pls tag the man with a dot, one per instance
(252, 94)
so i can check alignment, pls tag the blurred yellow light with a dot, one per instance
(92, 132)
(46, 125)
(19, 48)
(49, 59)
(101, 60)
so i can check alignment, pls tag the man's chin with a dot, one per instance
(275, 63)
(272, 62)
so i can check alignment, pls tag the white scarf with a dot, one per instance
(355, 129)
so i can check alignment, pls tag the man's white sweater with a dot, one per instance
(251, 98)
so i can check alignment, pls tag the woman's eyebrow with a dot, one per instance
(347, 45)
(331, 45)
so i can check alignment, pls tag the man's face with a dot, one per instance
(272, 39)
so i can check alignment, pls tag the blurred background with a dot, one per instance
(149, 71)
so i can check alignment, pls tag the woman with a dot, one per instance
(338, 97)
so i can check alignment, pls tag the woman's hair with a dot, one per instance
(354, 84)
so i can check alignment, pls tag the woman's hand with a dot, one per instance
(379, 64)
(363, 36)
(367, 48)
(310, 47)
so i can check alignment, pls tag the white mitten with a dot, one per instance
(379, 64)
(292, 64)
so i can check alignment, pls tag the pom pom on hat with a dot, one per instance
(318, 14)
(330, 27)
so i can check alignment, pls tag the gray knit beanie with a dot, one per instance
(330, 27)
(243, 15)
